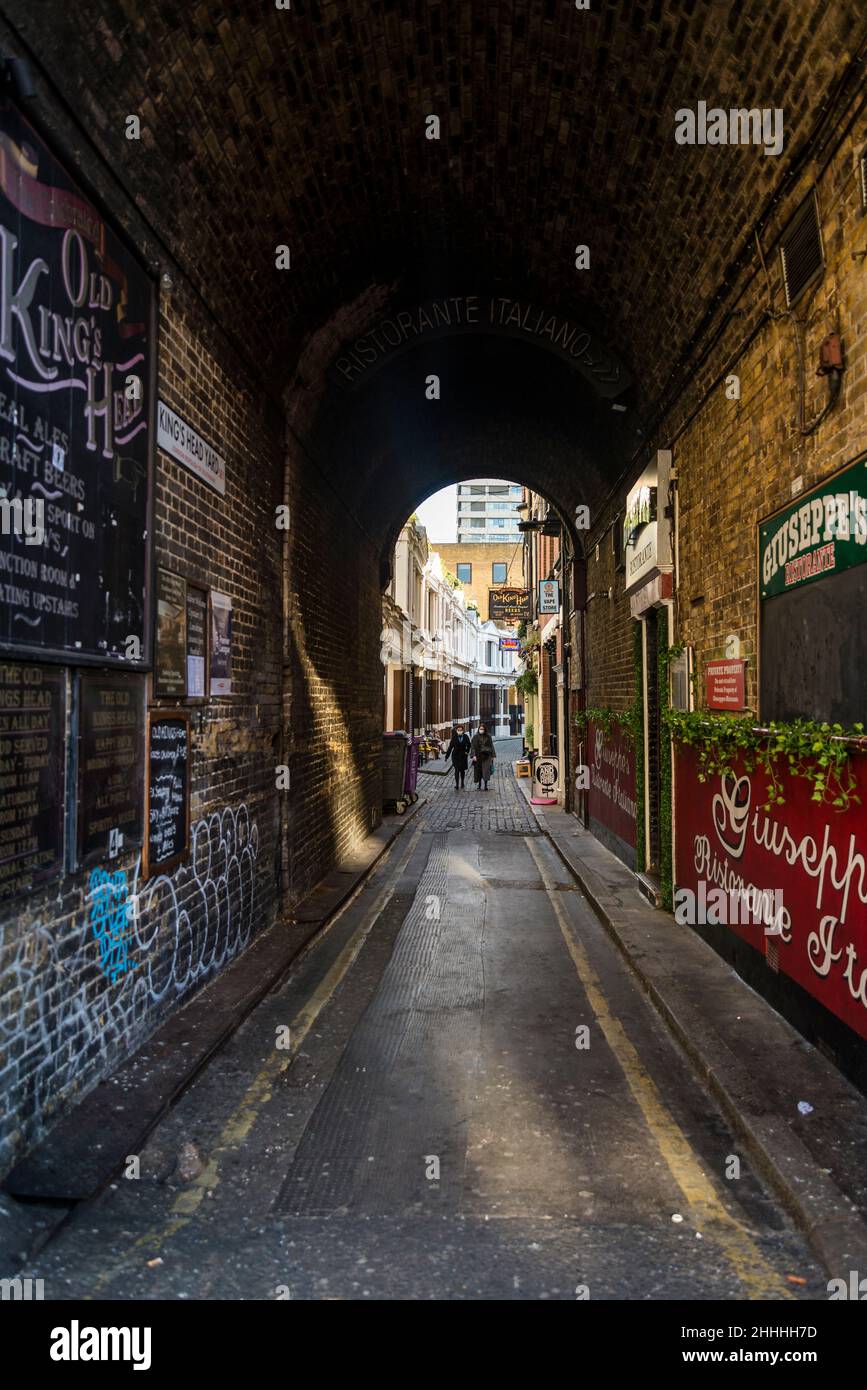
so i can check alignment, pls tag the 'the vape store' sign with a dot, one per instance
(75, 417)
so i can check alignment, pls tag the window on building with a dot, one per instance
(489, 653)
(499, 572)
(465, 574)
(477, 506)
(477, 521)
(497, 520)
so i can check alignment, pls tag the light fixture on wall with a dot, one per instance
(167, 282)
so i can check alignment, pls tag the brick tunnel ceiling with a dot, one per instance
(305, 127)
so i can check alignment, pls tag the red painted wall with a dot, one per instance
(611, 795)
(815, 856)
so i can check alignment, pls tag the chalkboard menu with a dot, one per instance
(197, 642)
(110, 764)
(170, 663)
(168, 791)
(32, 743)
(76, 434)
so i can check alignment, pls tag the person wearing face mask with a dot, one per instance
(482, 754)
(459, 752)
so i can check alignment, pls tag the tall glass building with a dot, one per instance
(488, 510)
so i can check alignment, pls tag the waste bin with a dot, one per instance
(410, 780)
(394, 760)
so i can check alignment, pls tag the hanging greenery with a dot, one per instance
(820, 753)
(527, 683)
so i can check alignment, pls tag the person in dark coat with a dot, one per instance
(482, 754)
(459, 752)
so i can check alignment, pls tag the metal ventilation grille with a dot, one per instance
(801, 251)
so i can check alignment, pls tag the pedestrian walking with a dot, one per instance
(459, 752)
(482, 753)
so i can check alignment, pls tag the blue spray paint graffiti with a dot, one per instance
(110, 921)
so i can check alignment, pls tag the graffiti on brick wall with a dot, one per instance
(76, 1000)
(111, 922)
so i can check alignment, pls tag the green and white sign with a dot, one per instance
(821, 533)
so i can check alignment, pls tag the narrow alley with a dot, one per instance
(438, 1126)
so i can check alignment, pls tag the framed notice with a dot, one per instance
(221, 644)
(170, 663)
(167, 791)
(111, 734)
(197, 642)
(32, 776)
(76, 416)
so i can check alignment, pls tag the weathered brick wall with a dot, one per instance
(738, 460)
(64, 1023)
(333, 709)
(608, 625)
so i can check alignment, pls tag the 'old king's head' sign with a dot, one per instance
(646, 528)
(75, 418)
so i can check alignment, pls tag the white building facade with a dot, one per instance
(488, 511)
(442, 664)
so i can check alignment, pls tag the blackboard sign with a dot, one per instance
(168, 791)
(814, 651)
(76, 416)
(111, 723)
(32, 745)
(170, 664)
(197, 642)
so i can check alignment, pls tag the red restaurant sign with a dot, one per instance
(724, 684)
(611, 794)
(812, 855)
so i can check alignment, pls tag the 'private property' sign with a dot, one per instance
(180, 440)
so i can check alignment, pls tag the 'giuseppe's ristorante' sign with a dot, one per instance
(74, 414)
(825, 531)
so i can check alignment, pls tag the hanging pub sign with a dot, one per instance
(170, 659)
(167, 785)
(510, 644)
(508, 605)
(646, 528)
(824, 531)
(110, 764)
(221, 644)
(549, 596)
(76, 429)
(197, 641)
(32, 776)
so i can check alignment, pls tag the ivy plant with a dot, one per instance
(820, 753)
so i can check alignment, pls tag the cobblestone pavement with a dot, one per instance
(501, 807)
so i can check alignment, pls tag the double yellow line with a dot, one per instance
(706, 1210)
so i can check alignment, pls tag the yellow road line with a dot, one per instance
(245, 1114)
(706, 1209)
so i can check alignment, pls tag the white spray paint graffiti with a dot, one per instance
(62, 1022)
